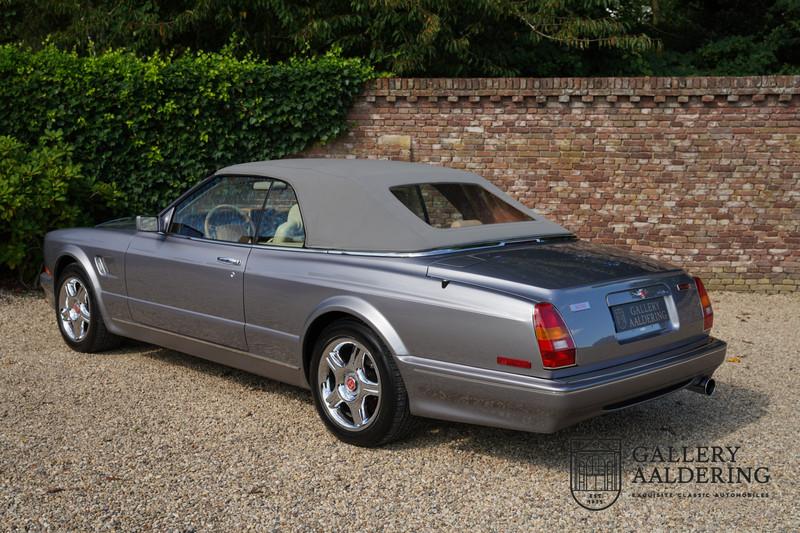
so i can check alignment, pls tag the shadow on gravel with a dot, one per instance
(682, 418)
(251, 381)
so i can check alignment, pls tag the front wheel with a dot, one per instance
(78, 314)
(357, 388)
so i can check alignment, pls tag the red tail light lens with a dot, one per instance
(555, 342)
(705, 305)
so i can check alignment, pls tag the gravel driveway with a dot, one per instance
(143, 438)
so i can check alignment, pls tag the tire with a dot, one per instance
(364, 359)
(78, 315)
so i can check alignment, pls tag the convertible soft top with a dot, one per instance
(346, 204)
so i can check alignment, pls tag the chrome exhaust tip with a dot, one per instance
(703, 386)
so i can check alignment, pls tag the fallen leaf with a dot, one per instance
(734, 359)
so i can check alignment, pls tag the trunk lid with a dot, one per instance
(549, 265)
(617, 305)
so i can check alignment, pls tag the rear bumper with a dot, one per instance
(46, 281)
(449, 391)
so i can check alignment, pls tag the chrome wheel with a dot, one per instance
(74, 309)
(349, 384)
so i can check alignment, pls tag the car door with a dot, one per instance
(190, 280)
(276, 301)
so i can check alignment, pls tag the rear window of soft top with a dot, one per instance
(456, 205)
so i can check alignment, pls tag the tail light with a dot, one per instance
(705, 305)
(555, 342)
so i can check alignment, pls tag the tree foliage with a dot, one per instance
(726, 37)
(439, 37)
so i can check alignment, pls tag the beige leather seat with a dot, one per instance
(291, 232)
(466, 223)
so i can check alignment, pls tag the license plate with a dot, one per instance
(639, 314)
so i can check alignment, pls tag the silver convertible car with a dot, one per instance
(391, 290)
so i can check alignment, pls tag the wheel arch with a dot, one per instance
(70, 255)
(348, 307)
(61, 263)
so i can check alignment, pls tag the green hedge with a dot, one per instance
(86, 138)
(41, 188)
(150, 127)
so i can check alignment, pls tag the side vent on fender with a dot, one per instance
(100, 263)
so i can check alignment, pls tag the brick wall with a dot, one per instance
(701, 172)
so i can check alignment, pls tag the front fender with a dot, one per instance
(364, 311)
(80, 257)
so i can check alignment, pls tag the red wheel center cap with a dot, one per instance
(350, 383)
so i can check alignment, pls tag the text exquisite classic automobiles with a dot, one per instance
(391, 290)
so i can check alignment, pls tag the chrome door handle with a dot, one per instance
(229, 260)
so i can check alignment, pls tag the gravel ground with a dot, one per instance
(143, 438)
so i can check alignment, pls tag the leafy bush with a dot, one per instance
(150, 127)
(41, 188)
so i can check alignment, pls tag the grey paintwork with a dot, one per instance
(444, 316)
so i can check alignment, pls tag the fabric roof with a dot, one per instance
(346, 204)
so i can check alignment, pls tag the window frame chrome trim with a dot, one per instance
(356, 253)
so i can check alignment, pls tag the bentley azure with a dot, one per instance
(391, 290)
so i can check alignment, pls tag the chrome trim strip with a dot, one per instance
(274, 332)
(444, 251)
(423, 253)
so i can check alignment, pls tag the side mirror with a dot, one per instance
(148, 224)
(165, 220)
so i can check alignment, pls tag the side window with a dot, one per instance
(280, 222)
(225, 209)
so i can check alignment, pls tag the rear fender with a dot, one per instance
(365, 312)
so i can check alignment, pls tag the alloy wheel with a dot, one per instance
(349, 384)
(74, 309)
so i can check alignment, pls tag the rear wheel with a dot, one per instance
(78, 315)
(357, 388)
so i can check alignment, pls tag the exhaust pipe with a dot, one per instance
(703, 386)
